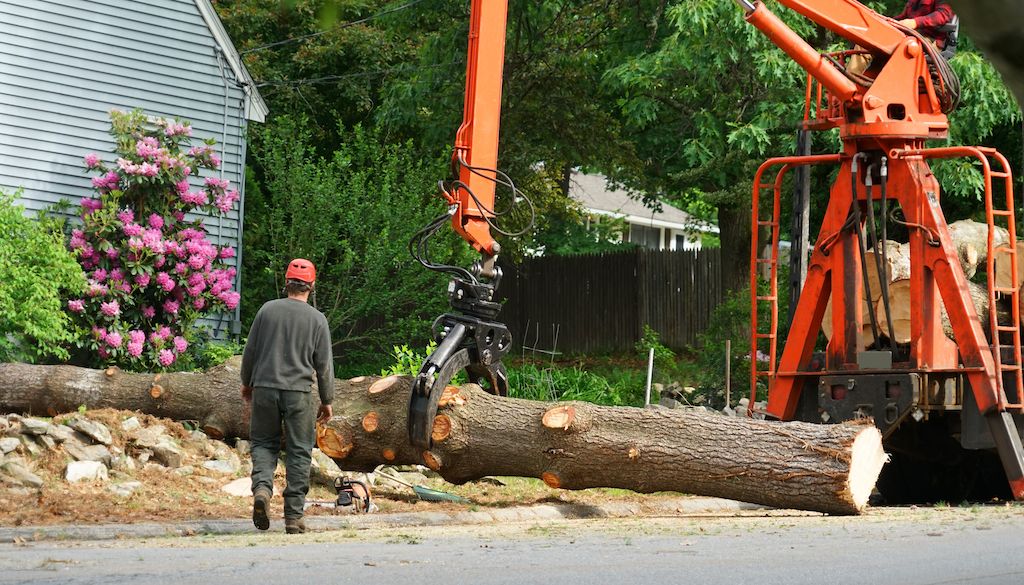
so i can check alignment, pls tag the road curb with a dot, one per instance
(674, 507)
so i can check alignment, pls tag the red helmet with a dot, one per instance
(300, 269)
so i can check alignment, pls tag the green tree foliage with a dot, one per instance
(36, 270)
(352, 214)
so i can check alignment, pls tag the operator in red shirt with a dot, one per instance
(931, 18)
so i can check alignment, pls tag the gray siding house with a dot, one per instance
(64, 64)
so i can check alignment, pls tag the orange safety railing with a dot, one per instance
(772, 261)
(1007, 366)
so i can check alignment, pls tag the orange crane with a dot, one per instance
(885, 116)
(969, 388)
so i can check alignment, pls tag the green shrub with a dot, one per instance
(573, 383)
(664, 358)
(35, 271)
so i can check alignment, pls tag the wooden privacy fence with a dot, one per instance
(600, 302)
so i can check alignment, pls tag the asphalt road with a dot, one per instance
(905, 547)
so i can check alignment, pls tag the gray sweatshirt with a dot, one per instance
(289, 341)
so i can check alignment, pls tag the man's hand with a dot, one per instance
(909, 23)
(247, 394)
(325, 413)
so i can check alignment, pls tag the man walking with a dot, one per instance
(289, 340)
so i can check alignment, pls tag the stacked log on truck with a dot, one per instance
(971, 241)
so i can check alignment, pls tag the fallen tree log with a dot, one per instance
(826, 468)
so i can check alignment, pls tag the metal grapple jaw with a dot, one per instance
(471, 342)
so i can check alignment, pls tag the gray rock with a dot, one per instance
(21, 474)
(221, 466)
(85, 471)
(60, 433)
(125, 489)
(185, 470)
(669, 402)
(81, 452)
(93, 429)
(325, 463)
(167, 452)
(47, 441)
(144, 456)
(130, 424)
(148, 437)
(153, 467)
(243, 447)
(34, 426)
(5, 425)
(198, 436)
(123, 463)
(30, 445)
(8, 444)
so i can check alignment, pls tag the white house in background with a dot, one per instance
(668, 229)
(64, 64)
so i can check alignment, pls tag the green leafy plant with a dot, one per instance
(664, 358)
(35, 271)
(152, 272)
(406, 361)
(531, 382)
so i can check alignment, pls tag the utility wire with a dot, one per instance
(333, 28)
(333, 78)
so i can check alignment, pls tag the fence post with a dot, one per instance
(650, 371)
(728, 373)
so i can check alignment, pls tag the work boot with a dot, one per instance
(294, 525)
(260, 506)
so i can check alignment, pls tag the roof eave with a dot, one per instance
(255, 109)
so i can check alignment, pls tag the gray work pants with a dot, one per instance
(297, 411)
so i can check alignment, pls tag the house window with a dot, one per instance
(646, 236)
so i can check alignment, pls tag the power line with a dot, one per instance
(333, 28)
(333, 78)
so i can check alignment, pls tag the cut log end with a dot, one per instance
(388, 454)
(551, 479)
(432, 461)
(156, 391)
(384, 384)
(559, 417)
(866, 460)
(335, 442)
(442, 428)
(451, 395)
(371, 421)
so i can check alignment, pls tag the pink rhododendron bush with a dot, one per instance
(152, 271)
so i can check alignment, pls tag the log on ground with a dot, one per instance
(825, 468)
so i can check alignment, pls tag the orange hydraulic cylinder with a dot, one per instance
(804, 54)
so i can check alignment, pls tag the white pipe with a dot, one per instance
(650, 371)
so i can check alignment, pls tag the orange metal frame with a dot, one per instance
(891, 117)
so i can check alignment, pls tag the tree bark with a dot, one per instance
(826, 468)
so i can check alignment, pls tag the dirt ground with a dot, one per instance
(166, 495)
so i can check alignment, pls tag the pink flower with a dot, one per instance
(182, 186)
(126, 216)
(155, 221)
(76, 305)
(99, 333)
(171, 306)
(113, 253)
(135, 349)
(217, 184)
(132, 230)
(110, 309)
(116, 274)
(199, 303)
(114, 339)
(96, 289)
(148, 312)
(142, 279)
(99, 275)
(230, 299)
(92, 160)
(136, 336)
(149, 170)
(165, 333)
(166, 357)
(180, 344)
(227, 252)
(90, 205)
(197, 262)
